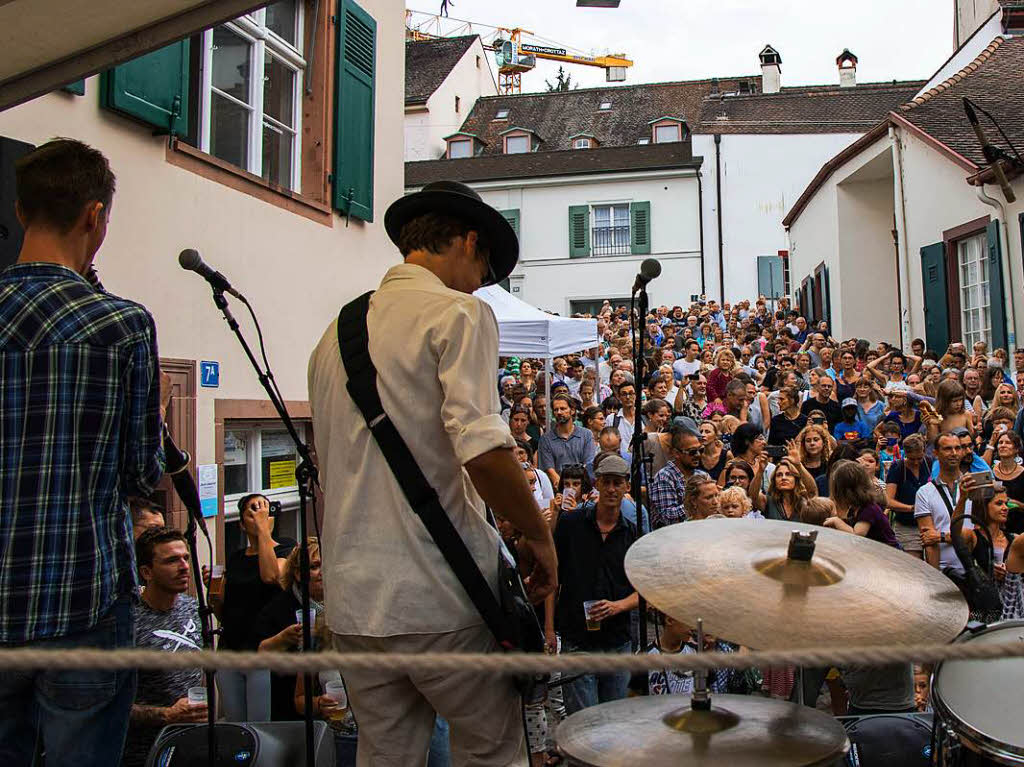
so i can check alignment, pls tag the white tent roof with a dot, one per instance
(526, 331)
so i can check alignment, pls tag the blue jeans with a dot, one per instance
(591, 689)
(80, 717)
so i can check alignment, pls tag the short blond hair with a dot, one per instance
(290, 570)
(735, 495)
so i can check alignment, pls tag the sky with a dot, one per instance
(693, 39)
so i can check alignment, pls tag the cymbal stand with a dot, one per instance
(701, 698)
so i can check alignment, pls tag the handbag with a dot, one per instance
(509, 617)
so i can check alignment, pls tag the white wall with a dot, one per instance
(425, 129)
(551, 279)
(762, 176)
(297, 273)
(971, 44)
(971, 14)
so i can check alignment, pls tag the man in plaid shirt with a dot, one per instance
(669, 486)
(80, 425)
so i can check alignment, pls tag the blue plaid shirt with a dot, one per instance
(79, 431)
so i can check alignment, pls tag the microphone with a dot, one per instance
(649, 269)
(176, 461)
(990, 151)
(190, 260)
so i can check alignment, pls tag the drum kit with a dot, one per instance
(781, 585)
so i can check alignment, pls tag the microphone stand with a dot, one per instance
(306, 477)
(637, 448)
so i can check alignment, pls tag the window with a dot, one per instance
(477, 62)
(610, 235)
(458, 148)
(252, 72)
(605, 105)
(644, 141)
(501, 114)
(664, 134)
(517, 144)
(259, 459)
(581, 143)
(975, 312)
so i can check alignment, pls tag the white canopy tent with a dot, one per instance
(526, 331)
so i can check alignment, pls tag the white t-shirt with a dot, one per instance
(543, 492)
(684, 368)
(928, 502)
(383, 574)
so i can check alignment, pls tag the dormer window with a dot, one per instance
(666, 130)
(582, 141)
(518, 140)
(501, 114)
(459, 148)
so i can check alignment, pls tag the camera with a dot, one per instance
(275, 508)
(775, 452)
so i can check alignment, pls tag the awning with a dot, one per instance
(49, 43)
(526, 331)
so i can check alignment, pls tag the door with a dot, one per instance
(181, 424)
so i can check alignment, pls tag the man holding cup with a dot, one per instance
(167, 619)
(596, 597)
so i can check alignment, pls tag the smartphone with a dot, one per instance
(891, 441)
(775, 452)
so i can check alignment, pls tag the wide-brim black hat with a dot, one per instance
(458, 200)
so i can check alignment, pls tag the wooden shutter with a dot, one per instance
(640, 228)
(512, 216)
(152, 88)
(579, 231)
(936, 301)
(996, 291)
(76, 88)
(355, 55)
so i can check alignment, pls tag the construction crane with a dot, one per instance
(513, 57)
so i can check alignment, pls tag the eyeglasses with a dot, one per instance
(693, 452)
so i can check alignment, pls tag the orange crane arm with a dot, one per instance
(612, 60)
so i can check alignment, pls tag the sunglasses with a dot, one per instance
(693, 452)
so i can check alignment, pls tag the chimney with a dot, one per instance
(847, 64)
(771, 70)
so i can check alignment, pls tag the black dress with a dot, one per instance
(245, 594)
(1015, 491)
(784, 429)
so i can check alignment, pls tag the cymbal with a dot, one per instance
(738, 731)
(735, 574)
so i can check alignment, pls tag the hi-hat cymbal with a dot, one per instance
(738, 731)
(735, 574)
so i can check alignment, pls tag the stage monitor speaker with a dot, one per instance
(10, 230)
(889, 740)
(242, 744)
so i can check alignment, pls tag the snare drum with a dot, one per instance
(978, 701)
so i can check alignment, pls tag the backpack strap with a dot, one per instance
(353, 341)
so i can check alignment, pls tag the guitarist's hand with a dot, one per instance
(543, 578)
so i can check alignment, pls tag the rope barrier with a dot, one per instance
(24, 659)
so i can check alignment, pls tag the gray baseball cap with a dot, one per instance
(612, 465)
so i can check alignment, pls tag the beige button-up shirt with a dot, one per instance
(436, 353)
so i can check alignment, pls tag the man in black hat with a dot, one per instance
(387, 585)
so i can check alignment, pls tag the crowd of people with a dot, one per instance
(750, 411)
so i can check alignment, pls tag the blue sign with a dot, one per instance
(209, 374)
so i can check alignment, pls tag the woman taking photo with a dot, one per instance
(714, 457)
(858, 504)
(789, 422)
(815, 446)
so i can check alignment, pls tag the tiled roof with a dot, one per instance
(558, 116)
(490, 167)
(428, 62)
(812, 109)
(994, 82)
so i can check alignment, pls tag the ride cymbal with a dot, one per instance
(737, 576)
(738, 731)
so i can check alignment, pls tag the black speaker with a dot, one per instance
(242, 744)
(11, 234)
(889, 740)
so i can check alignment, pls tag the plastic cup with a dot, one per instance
(217, 571)
(197, 696)
(312, 616)
(335, 690)
(592, 624)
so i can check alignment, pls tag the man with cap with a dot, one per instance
(852, 428)
(388, 587)
(592, 543)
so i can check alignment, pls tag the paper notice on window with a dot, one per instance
(208, 489)
(282, 474)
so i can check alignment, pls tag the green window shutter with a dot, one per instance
(579, 231)
(996, 292)
(152, 88)
(936, 299)
(512, 216)
(640, 228)
(355, 54)
(76, 88)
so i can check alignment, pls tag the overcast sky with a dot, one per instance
(692, 39)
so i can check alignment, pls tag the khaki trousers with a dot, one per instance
(395, 711)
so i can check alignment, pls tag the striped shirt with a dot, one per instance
(79, 431)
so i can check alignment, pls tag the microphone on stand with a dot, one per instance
(190, 260)
(649, 269)
(177, 462)
(991, 152)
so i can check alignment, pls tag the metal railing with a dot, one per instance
(610, 241)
